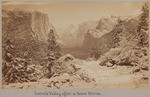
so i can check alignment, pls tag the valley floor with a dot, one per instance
(93, 76)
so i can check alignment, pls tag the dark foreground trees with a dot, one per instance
(15, 69)
(52, 56)
(143, 28)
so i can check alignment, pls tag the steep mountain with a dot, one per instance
(101, 33)
(106, 24)
(82, 30)
(40, 25)
(95, 28)
(27, 31)
(67, 36)
(119, 33)
(75, 34)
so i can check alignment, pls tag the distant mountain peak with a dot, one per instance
(40, 25)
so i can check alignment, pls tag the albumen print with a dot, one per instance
(75, 45)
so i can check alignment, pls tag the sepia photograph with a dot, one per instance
(75, 45)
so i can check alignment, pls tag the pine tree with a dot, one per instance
(15, 69)
(144, 18)
(144, 25)
(53, 54)
(53, 47)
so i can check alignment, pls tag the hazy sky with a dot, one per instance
(66, 13)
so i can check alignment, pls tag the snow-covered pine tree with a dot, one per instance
(144, 25)
(53, 47)
(52, 55)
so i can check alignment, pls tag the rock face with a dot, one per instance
(36, 23)
(108, 33)
(27, 31)
(102, 35)
(40, 25)
(105, 42)
(107, 24)
(75, 34)
(16, 22)
(82, 30)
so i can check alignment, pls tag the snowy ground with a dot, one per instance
(91, 75)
